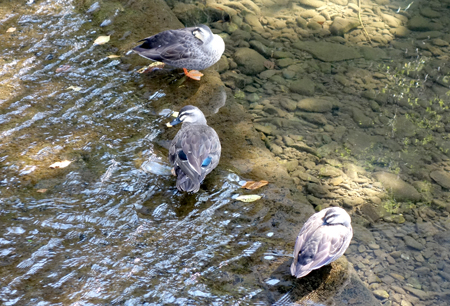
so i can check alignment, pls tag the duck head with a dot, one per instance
(190, 114)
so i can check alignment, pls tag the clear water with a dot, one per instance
(111, 228)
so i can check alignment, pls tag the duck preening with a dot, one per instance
(195, 48)
(195, 150)
(323, 239)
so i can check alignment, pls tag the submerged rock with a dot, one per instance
(401, 190)
(441, 177)
(315, 105)
(249, 61)
(340, 26)
(312, 3)
(304, 86)
(419, 23)
(328, 52)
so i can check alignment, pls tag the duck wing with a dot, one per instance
(192, 147)
(325, 245)
(169, 46)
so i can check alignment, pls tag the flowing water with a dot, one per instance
(111, 228)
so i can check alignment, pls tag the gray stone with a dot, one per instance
(369, 211)
(413, 243)
(315, 105)
(419, 23)
(329, 171)
(441, 177)
(312, 3)
(391, 20)
(304, 86)
(301, 22)
(288, 104)
(373, 54)
(400, 31)
(361, 120)
(340, 2)
(260, 47)
(428, 12)
(253, 21)
(429, 34)
(328, 52)
(318, 191)
(419, 293)
(284, 62)
(189, 14)
(381, 294)
(249, 61)
(288, 74)
(401, 190)
(404, 127)
(340, 26)
(267, 74)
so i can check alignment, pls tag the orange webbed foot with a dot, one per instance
(193, 74)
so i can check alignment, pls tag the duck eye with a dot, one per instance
(206, 162)
(182, 155)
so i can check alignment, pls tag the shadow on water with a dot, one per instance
(361, 126)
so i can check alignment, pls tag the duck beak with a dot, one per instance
(175, 121)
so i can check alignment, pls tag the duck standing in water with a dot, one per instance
(195, 150)
(194, 48)
(323, 239)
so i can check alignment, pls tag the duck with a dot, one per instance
(323, 239)
(195, 150)
(194, 48)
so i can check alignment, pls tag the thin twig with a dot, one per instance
(362, 24)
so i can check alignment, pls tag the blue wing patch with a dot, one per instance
(206, 162)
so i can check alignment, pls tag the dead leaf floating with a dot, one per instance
(61, 164)
(102, 40)
(74, 88)
(248, 198)
(63, 68)
(252, 185)
(10, 30)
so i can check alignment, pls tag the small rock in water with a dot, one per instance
(93, 8)
(272, 282)
(106, 22)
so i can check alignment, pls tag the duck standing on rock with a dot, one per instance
(323, 239)
(194, 48)
(195, 150)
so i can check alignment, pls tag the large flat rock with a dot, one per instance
(328, 52)
(401, 190)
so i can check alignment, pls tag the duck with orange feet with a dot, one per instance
(194, 48)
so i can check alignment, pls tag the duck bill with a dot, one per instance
(175, 121)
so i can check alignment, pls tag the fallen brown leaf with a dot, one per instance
(252, 185)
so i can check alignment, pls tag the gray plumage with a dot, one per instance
(191, 48)
(195, 150)
(323, 239)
